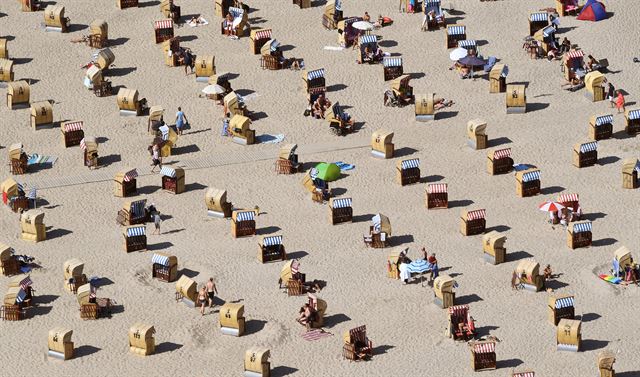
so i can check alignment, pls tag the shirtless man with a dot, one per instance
(211, 291)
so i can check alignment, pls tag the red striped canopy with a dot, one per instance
(437, 188)
(459, 310)
(83, 145)
(524, 374)
(25, 283)
(476, 215)
(574, 54)
(73, 126)
(564, 198)
(130, 175)
(295, 267)
(502, 153)
(164, 24)
(488, 347)
(263, 34)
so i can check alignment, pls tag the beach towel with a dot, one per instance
(333, 48)
(609, 278)
(344, 166)
(202, 23)
(315, 334)
(36, 159)
(270, 139)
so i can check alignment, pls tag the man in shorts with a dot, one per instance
(211, 291)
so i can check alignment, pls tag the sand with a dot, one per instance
(407, 329)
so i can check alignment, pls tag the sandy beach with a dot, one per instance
(407, 329)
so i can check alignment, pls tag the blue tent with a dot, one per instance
(593, 10)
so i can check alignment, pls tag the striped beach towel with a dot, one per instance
(611, 279)
(36, 159)
(315, 334)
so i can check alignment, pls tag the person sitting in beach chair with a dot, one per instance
(339, 120)
(227, 25)
(548, 273)
(320, 106)
(441, 103)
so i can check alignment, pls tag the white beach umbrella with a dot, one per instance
(213, 89)
(362, 25)
(458, 54)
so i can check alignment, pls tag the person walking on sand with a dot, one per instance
(620, 101)
(202, 299)
(181, 120)
(155, 158)
(211, 291)
(156, 221)
(611, 91)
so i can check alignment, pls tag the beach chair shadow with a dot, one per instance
(167, 347)
(254, 325)
(85, 350)
(281, 371)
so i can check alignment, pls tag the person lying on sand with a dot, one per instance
(441, 103)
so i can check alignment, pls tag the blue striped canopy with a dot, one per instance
(589, 147)
(409, 164)
(168, 171)
(467, 43)
(341, 203)
(245, 216)
(419, 266)
(565, 302)
(137, 207)
(274, 45)
(604, 119)
(315, 74)
(160, 259)
(21, 296)
(368, 39)
(531, 176)
(539, 17)
(548, 31)
(634, 114)
(431, 2)
(338, 4)
(236, 12)
(456, 30)
(272, 241)
(392, 62)
(582, 227)
(33, 194)
(136, 231)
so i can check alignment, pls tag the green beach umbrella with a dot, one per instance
(328, 172)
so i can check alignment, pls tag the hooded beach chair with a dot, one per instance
(135, 238)
(461, 325)
(473, 222)
(18, 95)
(73, 274)
(493, 247)
(4, 52)
(240, 21)
(187, 291)
(392, 68)
(314, 83)
(357, 345)
(601, 126)
(483, 355)
(271, 56)
(89, 146)
(606, 359)
(455, 33)
(17, 159)
(141, 340)
(41, 114)
(379, 232)
(528, 273)
(32, 226)
(630, 173)
(125, 183)
(436, 196)
(240, 130)
(124, 4)
(381, 145)
(594, 83)
(438, 20)
(585, 154)
(370, 42)
(566, 7)
(59, 344)
(256, 360)
(538, 21)
(217, 205)
(499, 161)
(243, 223)
(235, 105)
(516, 99)
(572, 62)
(271, 249)
(476, 134)
(8, 262)
(632, 121)
(164, 267)
(95, 81)
(232, 321)
(13, 308)
(569, 335)
(498, 78)
(258, 38)
(170, 10)
(72, 133)
(408, 171)
(560, 307)
(579, 234)
(6, 70)
(98, 34)
(287, 162)
(443, 293)
(163, 30)
(347, 34)
(340, 210)
(54, 19)
(31, 5)
(205, 67)
(133, 212)
(528, 182)
(172, 179)
(332, 14)
(129, 104)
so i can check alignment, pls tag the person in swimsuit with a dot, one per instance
(211, 291)
(202, 299)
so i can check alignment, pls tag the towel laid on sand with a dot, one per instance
(315, 334)
(36, 159)
(202, 22)
(333, 48)
(344, 166)
(270, 139)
